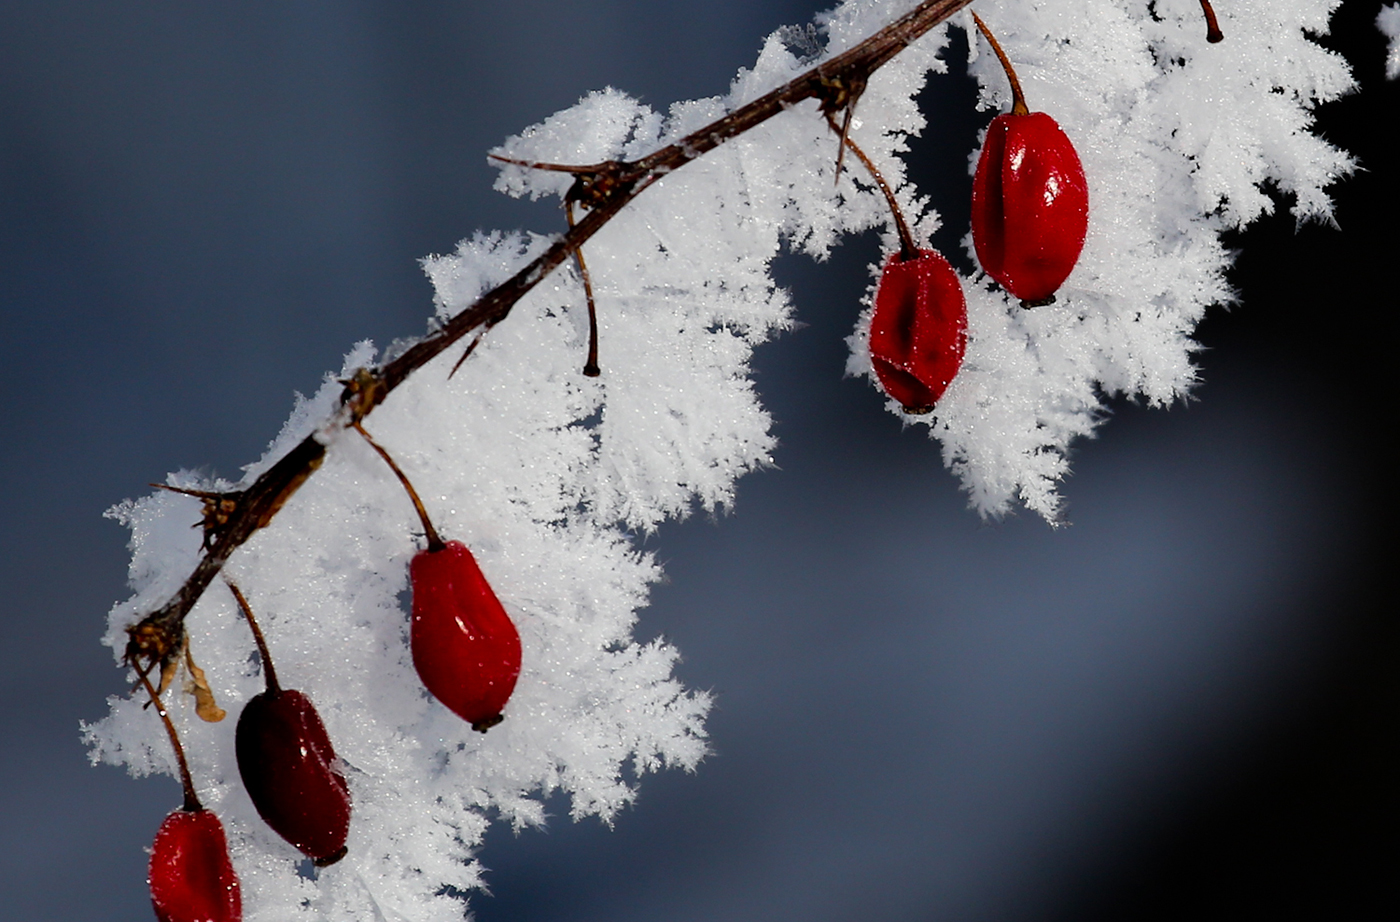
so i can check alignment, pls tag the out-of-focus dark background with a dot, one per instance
(1182, 705)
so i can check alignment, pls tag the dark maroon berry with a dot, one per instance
(288, 765)
(289, 769)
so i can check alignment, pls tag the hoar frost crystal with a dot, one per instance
(546, 473)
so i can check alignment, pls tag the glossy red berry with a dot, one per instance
(1030, 200)
(190, 875)
(1030, 205)
(289, 770)
(918, 332)
(465, 647)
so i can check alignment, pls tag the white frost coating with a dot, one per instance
(1388, 21)
(1180, 140)
(543, 472)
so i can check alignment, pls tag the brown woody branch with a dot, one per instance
(604, 188)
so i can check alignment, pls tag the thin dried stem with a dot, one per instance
(1213, 33)
(1018, 99)
(605, 189)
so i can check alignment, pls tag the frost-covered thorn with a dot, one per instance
(594, 183)
(590, 366)
(907, 248)
(219, 508)
(471, 347)
(1213, 33)
(839, 93)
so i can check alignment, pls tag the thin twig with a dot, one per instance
(1213, 33)
(605, 189)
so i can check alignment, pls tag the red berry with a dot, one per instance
(1030, 206)
(190, 874)
(289, 770)
(465, 647)
(919, 330)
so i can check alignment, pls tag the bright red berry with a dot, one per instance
(1030, 206)
(288, 765)
(190, 874)
(919, 329)
(465, 647)
(1030, 199)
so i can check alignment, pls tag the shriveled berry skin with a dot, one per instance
(1030, 206)
(190, 875)
(289, 770)
(918, 332)
(465, 647)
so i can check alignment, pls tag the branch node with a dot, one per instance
(219, 509)
(364, 390)
(159, 642)
(594, 183)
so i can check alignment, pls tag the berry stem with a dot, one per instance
(1213, 33)
(192, 804)
(269, 673)
(1018, 99)
(435, 543)
(907, 249)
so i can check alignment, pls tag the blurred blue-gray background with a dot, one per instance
(1184, 704)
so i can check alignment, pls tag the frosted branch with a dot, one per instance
(605, 188)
